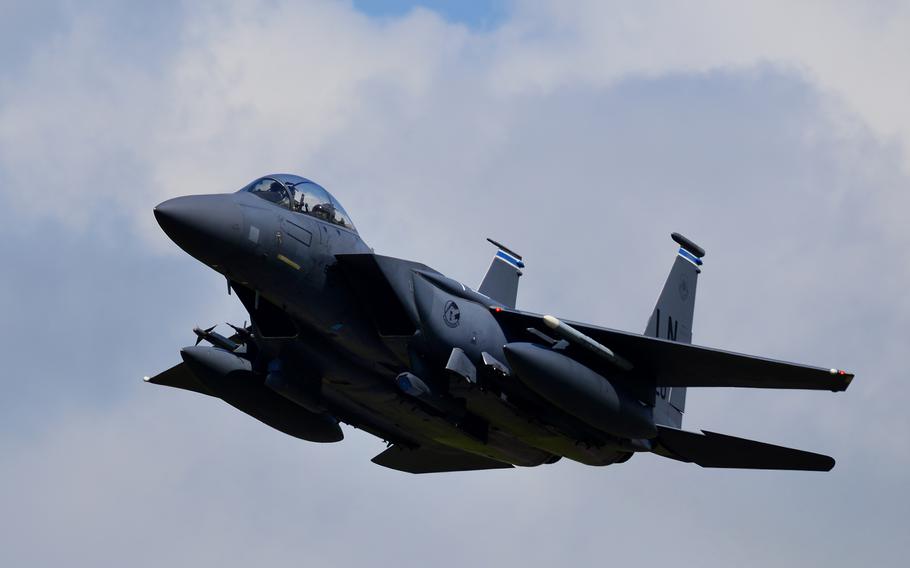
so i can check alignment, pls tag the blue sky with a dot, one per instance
(477, 14)
(582, 138)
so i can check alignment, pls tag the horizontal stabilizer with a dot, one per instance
(180, 377)
(673, 364)
(423, 460)
(708, 449)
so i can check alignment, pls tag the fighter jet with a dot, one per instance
(452, 378)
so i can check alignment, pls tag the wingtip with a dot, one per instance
(844, 379)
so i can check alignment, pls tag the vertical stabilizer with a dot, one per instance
(672, 320)
(501, 281)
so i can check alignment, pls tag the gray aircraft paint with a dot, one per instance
(454, 378)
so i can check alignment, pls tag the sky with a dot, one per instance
(776, 135)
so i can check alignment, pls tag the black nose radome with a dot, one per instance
(206, 226)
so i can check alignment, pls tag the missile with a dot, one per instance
(214, 338)
(242, 333)
(412, 385)
(576, 337)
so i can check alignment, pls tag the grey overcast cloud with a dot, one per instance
(775, 134)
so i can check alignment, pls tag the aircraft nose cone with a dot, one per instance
(206, 226)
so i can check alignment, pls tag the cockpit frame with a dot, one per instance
(302, 196)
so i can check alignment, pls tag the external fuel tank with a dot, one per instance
(578, 390)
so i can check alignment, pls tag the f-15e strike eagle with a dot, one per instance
(451, 378)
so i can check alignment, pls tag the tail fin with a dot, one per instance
(672, 319)
(501, 281)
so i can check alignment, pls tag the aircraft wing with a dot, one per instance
(709, 449)
(432, 460)
(180, 377)
(672, 364)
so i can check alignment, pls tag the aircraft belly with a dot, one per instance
(411, 420)
(533, 432)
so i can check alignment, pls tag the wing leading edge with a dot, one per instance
(672, 364)
(179, 377)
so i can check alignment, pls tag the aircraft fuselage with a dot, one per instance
(307, 315)
(454, 378)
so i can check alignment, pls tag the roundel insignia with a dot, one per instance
(684, 289)
(451, 315)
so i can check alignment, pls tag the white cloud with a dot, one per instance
(250, 87)
(176, 478)
(258, 85)
(854, 51)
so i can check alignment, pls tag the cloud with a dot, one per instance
(231, 90)
(581, 138)
(851, 51)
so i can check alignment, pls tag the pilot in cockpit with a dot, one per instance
(302, 196)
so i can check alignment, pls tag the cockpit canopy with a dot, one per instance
(301, 195)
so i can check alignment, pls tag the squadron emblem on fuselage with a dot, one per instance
(451, 315)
